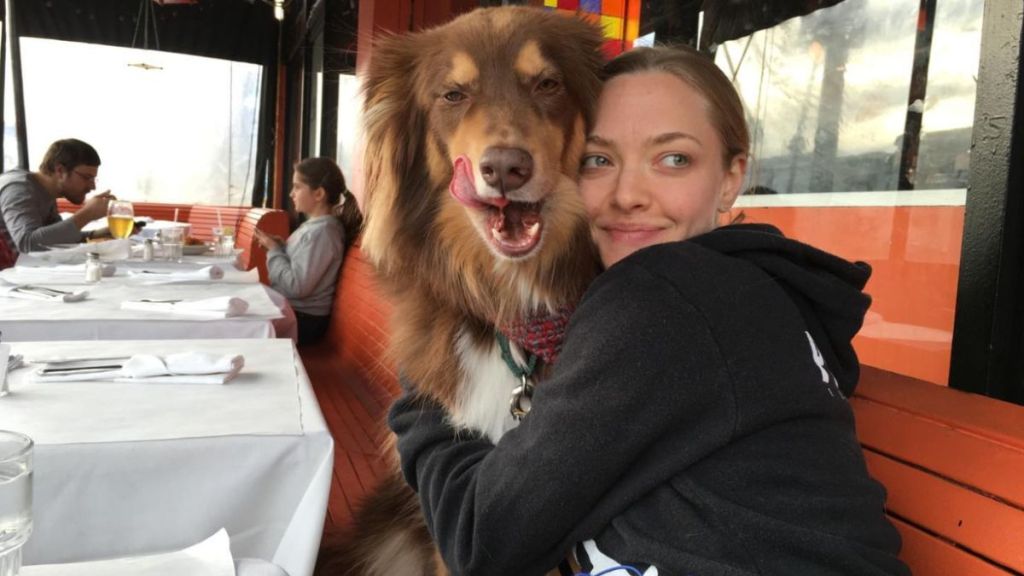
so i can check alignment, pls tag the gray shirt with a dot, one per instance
(28, 213)
(306, 270)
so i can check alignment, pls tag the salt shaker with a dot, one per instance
(93, 268)
(147, 250)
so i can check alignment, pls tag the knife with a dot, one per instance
(80, 369)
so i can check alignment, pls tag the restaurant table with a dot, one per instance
(100, 316)
(125, 469)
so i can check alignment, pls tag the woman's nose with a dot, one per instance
(632, 190)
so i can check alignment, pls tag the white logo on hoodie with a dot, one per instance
(831, 384)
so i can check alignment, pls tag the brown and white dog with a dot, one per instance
(474, 132)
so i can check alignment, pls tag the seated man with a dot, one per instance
(28, 200)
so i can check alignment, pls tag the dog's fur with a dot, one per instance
(499, 78)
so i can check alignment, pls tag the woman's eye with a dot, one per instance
(548, 85)
(453, 96)
(675, 160)
(594, 161)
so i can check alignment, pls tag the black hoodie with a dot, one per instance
(695, 424)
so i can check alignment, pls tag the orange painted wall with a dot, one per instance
(915, 254)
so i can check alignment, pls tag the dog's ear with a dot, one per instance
(394, 128)
(577, 44)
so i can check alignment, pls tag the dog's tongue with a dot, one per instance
(463, 188)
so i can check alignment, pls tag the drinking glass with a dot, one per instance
(120, 218)
(15, 499)
(173, 240)
(223, 240)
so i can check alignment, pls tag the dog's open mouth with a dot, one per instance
(512, 228)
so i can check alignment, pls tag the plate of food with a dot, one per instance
(195, 249)
(194, 246)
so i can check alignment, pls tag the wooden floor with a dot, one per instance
(356, 419)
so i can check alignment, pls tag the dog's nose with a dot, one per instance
(506, 168)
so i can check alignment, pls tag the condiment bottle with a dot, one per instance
(93, 268)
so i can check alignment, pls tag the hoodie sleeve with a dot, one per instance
(640, 371)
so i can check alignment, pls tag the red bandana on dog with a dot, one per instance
(540, 334)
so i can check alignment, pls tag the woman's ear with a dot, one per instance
(320, 194)
(735, 174)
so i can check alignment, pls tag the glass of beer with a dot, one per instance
(15, 499)
(120, 218)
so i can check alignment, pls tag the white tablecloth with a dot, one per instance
(100, 316)
(108, 495)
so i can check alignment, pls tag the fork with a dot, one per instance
(44, 289)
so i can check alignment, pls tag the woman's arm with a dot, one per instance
(640, 371)
(296, 271)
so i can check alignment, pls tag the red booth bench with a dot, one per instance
(952, 462)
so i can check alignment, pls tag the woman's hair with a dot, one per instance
(725, 109)
(69, 153)
(323, 172)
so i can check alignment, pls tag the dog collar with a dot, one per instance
(519, 404)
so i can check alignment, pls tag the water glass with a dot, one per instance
(223, 240)
(15, 499)
(173, 240)
(120, 218)
(5, 365)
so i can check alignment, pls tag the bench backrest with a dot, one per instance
(154, 210)
(273, 222)
(203, 219)
(953, 466)
(358, 332)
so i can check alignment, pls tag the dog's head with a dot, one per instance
(474, 132)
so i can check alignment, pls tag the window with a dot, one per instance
(827, 101)
(168, 127)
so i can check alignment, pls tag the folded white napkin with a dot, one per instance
(30, 292)
(219, 307)
(211, 557)
(212, 272)
(181, 368)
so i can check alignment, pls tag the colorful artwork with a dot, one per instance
(620, 19)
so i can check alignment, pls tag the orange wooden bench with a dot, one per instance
(274, 222)
(154, 210)
(952, 462)
(354, 385)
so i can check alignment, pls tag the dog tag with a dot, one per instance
(521, 396)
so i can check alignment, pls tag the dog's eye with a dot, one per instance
(548, 85)
(453, 96)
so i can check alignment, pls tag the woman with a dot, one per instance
(305, 269)
(696, 421)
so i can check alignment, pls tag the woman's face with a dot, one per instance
(304, 198)
(653, 171)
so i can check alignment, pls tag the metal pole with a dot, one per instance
(915, 101)
(3, 93)
(19, 91)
